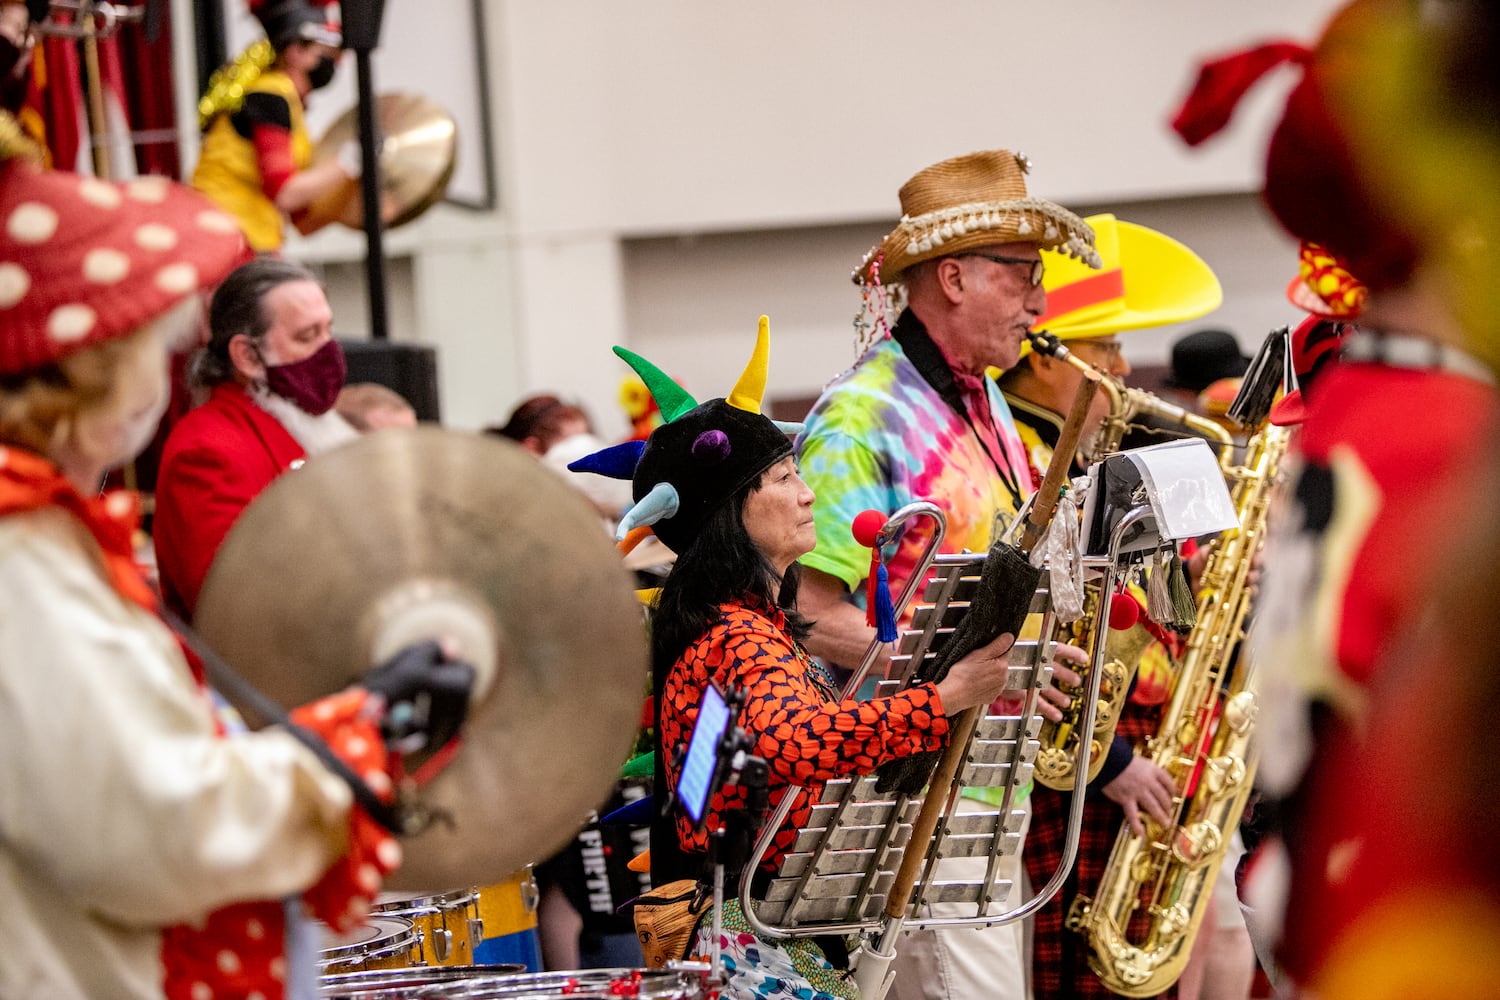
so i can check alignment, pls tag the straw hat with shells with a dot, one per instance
(968, 202)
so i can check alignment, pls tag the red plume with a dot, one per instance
(1223, 82)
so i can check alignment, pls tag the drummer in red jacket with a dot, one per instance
(273, 370)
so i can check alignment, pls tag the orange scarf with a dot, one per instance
(29, 482)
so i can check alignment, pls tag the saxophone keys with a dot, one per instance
(1225, 773)
(1240, 712)
(1053, 763)
(1197, 844)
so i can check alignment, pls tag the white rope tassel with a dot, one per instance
(1158, 593)
(1061, 552)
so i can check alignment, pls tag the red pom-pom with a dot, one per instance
(1124, 612)
(867, 526)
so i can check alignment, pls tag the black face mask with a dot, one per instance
(321, 75)
(15, 79)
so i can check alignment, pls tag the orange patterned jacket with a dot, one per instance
(792, 714)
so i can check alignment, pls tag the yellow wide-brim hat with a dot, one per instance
(968, 202)
(1147, 279)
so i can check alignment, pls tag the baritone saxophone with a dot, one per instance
(1204, 743)
(1121, 655)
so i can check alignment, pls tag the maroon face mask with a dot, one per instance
(312, 383)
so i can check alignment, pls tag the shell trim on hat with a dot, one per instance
(931, 229)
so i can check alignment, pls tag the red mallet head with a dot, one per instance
(1124, 612)
(867, 527)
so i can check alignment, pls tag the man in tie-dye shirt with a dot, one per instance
(917, 418)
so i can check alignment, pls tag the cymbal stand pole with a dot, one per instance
(369, 187)
(731, 842)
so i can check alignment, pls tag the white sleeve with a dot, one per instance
(113, 781)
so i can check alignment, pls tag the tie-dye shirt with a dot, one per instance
(881, 437)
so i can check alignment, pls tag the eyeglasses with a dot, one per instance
(1110, 349)
(1038, 268)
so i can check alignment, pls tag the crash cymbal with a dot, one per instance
(417, 156)
(412, 534)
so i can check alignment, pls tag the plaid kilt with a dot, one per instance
(1060, 967)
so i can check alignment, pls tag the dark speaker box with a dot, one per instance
(409, 369)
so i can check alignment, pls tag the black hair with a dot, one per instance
(721, 564)
(238, 307)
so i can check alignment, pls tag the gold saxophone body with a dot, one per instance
(1204, 743)
(1056, 758)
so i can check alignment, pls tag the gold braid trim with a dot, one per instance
(226, 88)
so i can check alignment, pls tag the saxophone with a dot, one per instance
(1056, 759)
(1204, 742)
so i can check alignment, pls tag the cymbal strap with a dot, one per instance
(243, 694)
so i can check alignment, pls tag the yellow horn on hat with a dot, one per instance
(751, 387)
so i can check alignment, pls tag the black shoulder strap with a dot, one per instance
(928, 359)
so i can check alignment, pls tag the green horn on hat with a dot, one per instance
(751, 387)
(671, 398)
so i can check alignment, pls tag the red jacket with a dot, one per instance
(216, 460)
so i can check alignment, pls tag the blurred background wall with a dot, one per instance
(659, 173)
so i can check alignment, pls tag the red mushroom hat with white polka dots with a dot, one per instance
(83, 260)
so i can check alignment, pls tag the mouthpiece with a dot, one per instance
(1045, 343)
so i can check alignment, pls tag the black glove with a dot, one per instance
(426, 697)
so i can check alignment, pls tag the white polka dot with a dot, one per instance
(379, 781)
(155, 236)
(217, 222)
(31, 222)
(356, 746)
(70, 323)
(177, 279)
(255, 995)
(388, 853)
(202, 991)
(151, 189)
(118, 504)
(99, 193)
(227, 961)
(255, 930)
(368, 879)
(278, 968)
(14, 284)
(103, 266)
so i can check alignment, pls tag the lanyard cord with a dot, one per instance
(933, 367)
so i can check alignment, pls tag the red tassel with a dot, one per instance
(1223, 82)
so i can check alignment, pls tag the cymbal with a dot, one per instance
(425, 533)
(418, 151)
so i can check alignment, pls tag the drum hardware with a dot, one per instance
(445, 923)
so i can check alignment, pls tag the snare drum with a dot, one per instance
(383, 943)
(484, 983)
(507, 914)
(446, 923)
(400, 984)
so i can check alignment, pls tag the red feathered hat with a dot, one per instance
(1314, 185)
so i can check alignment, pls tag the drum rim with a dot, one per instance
(403, 938)
(451, 900)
